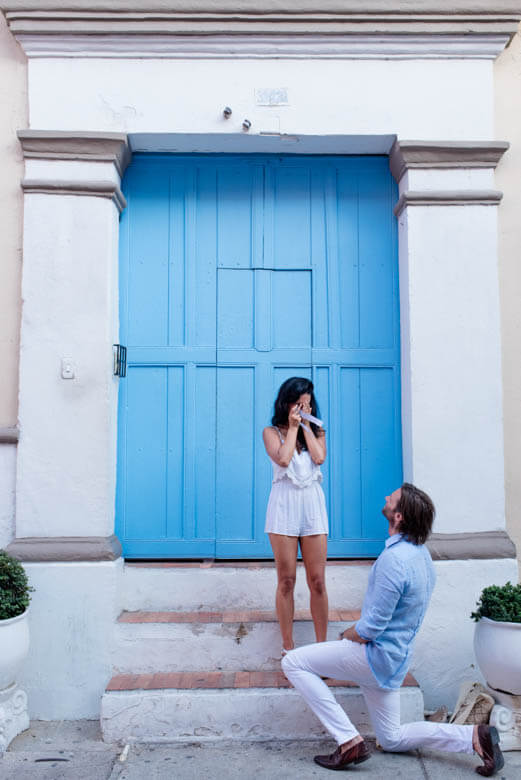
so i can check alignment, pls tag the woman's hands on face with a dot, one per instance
(294, 418)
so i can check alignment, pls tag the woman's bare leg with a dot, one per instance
(285, 549)
(314, 554)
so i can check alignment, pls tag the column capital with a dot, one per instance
(79, 146)
(405, 155)
(76, 147)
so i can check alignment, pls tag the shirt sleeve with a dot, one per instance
(390, 582)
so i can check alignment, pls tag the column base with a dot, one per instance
(14, 717)
(506, 717)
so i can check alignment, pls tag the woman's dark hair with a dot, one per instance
(289, 393)
(417, 512)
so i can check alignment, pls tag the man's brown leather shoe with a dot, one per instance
(492, 756)
(338, 760)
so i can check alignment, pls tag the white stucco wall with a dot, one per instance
(13, 99)
(7, 493)
(444, 100)
(443, 654)
(71, 622)
(66, 464)
(508, 125)
(13, 116)
(452, 407)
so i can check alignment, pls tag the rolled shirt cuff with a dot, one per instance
(363, 634)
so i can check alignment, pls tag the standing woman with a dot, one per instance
(296, 507)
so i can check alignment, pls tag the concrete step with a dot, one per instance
(239, 705)
(196, 641)
(239, 586)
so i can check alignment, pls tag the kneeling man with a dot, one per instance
(375, 652)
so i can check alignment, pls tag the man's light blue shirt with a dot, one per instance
(400, 586)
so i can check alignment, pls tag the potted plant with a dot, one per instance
(14, 629)
(497, 639)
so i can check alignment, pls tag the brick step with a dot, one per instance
(228, 616)
(238, 586)
(196, 641)
(217, 680)
(241, 705)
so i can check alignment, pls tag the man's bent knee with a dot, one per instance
(288, 663)
(390, 741)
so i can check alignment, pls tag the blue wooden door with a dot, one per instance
(237, 272)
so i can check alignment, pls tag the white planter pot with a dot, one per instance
(497, 647)
(14, 646)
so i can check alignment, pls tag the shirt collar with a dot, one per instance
(393, 539)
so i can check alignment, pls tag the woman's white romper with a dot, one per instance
(296, 505)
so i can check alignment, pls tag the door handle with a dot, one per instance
(120, 360)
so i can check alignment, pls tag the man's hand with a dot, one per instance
(350, 633)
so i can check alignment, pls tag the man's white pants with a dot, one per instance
(346, 660)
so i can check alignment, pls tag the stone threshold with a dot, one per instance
(229, 616)
(217, 680)
(212, 564)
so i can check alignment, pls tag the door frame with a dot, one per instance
(374, 546)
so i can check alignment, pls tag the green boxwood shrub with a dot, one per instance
(500, 602)
(14, 587)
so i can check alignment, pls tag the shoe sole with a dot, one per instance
(346, 766)
(499, 761)
(497, 755)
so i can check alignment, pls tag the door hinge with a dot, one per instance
(120, 360)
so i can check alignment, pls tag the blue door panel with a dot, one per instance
(377, 284)
(347, 483)
(237, 191)
(236, 273)
(291, 198)
(291, 309)
(148, 271)
(236, 438)
(377, 437)
(146, 452)
(176, 421)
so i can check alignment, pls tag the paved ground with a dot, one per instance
(74, 751)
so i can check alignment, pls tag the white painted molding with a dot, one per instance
(81, 146)
(463, 15)
(66, 548)
(444, 154)
(97, 189)
(272, 28)
(115, 44)
(447, 198)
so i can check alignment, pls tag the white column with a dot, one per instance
(68, 395)
(451, 350)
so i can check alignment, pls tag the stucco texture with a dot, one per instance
(508, 177)
(13, 116)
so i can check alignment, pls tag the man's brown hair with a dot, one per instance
(417, 510)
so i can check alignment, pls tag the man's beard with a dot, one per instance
(388, 513)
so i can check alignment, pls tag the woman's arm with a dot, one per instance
(316, 444)
(282, 452)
